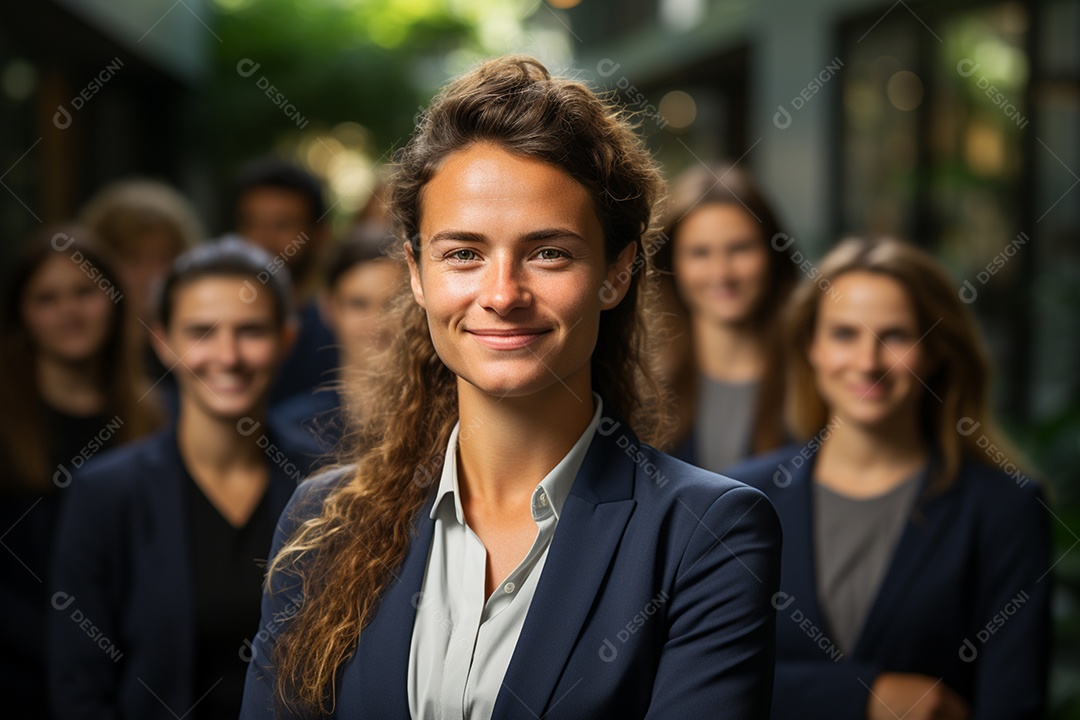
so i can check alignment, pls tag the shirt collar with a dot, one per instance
(549, 495)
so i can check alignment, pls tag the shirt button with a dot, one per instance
(509, 587)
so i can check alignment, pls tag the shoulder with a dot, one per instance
(310, 495)
(1002, 493)
(665, 482)
(772, 469)
(120, 470)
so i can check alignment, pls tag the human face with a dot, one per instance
(223, 349)
(279, 221)
(866, 354)
(357, 308)
(510, 271)
(721, 263)
(67, 316)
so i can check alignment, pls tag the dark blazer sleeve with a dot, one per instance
(718, 658)
(84, 670)
(281, 600)
(1012, 646)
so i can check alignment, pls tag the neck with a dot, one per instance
(864, 460)
(506, 446)
(213, 446)
(727, 352)
(73, 388)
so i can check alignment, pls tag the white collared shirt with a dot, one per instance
(462, 645)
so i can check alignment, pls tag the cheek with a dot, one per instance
(262, 353)
(753, 268)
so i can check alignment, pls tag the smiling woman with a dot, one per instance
(524, 359)
(159, 540)
(904, 542)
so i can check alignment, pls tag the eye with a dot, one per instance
(551, 254)
(462, 255)
(842, 333)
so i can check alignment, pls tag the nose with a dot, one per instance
(504, 287)
(870, 356)
(227, 349)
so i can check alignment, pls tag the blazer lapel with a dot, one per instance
(795, 506)
(169, 526)
(382, 656)
(586, 540)
(918, 541)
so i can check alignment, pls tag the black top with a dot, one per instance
(28, 517)
(228, 563)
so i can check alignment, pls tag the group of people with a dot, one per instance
(542, 445)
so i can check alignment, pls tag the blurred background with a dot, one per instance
(953, 124)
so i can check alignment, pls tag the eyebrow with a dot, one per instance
(530, 237)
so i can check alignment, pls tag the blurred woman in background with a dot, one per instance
(70, 388)
(729, 274)
(361, 278)
(916, 566)
(145, 224)
(158, 546)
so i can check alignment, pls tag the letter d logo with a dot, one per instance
(782, 477)
(608, 652)
(968, 652)
(968, 293)
(782, 118)
(62, 118)
(61, 478)
(248, 293)
(781, 600)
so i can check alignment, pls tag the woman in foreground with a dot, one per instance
(504, 545)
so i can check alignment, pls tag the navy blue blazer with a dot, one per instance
(121, 634)
(966, 597)
(654, 601)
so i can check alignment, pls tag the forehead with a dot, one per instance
(484, 188)
(868, 297)
(369, 276)
(58, 269)
(223, 296)
(267, 199)
(717, 221)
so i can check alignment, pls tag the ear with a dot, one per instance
(289, 332)
(618, 277)
(414, 276)
(325, 305)
(164, 352)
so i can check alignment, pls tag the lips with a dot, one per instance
(508, 339)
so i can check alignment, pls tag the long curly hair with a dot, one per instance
(404, 408)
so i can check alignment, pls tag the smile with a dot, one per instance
(507, 339)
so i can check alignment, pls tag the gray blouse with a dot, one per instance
(854, 539)
(724, 423)
(462, 642)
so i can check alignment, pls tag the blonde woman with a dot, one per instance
(916, 566)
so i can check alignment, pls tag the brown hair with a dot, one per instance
(409, 407)
(961, 369)
(728, 185)
(123, 212)
(22, 433)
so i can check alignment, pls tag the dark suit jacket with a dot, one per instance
(122, 626)
(654, 601)
(966, 597)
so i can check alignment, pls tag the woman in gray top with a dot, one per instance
(728, 270)
(916, 578)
